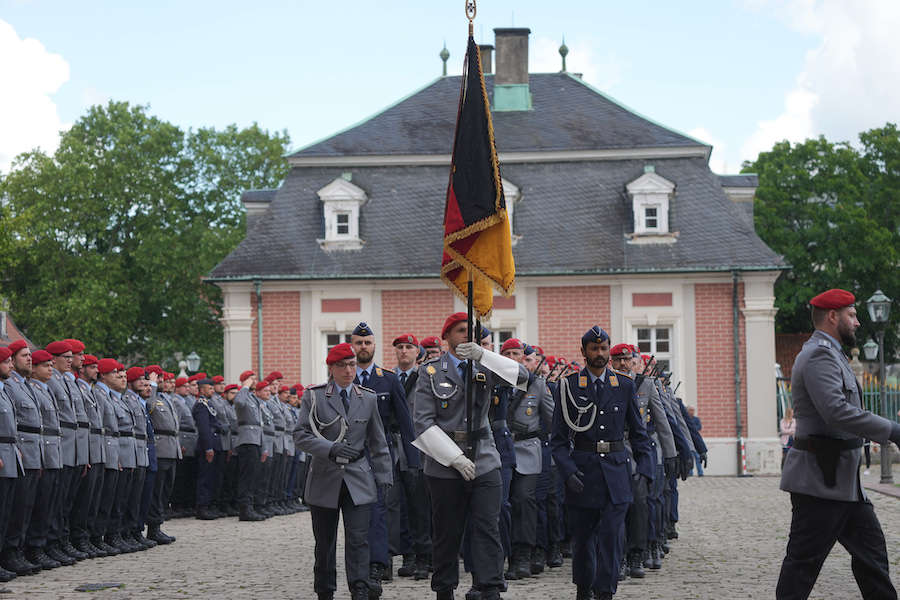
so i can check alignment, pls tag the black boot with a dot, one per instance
(671, 534)
(59, 556)
(248, 514)
(623, 570)
(387, 571)
(375, 572)
(86, 547)
(422, 564)
(655, 556)
(204, 513)
(72, 551)
(325, 596)
(408, 569)
(14, 561)
(538, 560)
(6, 575)
(156, 534)
(554, 556)
(361, 591)
(100, 544)
(510, 575)
(522, 561)
(565, 548)
(144, 541)
(635, 568)
(444, 595)
(37, 556)
(584, 593)
(474, 593)
(602, 595)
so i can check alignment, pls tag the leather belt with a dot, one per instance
(140, 436)
(7, 440)
(126, 434)
(461, 436)
(498, 424)
(97, 430)
(66, 425)
(49, 431)
(518, 437)
(187, 430)
(83, 425)
(279, 429)
(812, 443)
(248, 423)
(112, 433)
(601, 447)
(29, 429)
(165, 432)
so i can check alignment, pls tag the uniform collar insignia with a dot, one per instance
(379, 372)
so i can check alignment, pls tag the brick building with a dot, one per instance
(615, 220)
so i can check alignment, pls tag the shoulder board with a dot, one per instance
(317, 386)
(825, 343)
(386, 370)
(431, 360)
(365, 389)
(623, 374)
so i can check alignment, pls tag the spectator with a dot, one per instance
(786, 430)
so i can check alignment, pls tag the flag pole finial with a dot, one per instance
(471, 11)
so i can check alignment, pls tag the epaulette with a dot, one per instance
(365, 389)
(622, 373)
(316, 386)
(825, 343)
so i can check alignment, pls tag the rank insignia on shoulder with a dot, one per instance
(379, 372)
(613, 381)
(825, 343)
(430, 370)
(582, 381)
(444, 404)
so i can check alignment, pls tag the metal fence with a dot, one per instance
(871, 396)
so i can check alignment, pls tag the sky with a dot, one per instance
(738, 74)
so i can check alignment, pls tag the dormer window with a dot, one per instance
(341, 206)
(650, 196)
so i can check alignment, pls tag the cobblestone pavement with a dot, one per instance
(732, 538)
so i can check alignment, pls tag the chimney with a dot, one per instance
(511, 80)
(487, 54)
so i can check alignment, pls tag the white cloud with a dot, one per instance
(602, 71)
(717, 161)
(849, 83)
(30, 76)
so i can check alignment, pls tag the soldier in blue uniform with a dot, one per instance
(209, 450)
(594, 409)
(394, 415)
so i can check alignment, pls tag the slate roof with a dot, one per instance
(743, 180)
(573, 217)
(567, 114)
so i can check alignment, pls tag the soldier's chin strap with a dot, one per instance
(506, 368)
(438, 445)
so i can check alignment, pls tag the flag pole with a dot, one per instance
(470, 444)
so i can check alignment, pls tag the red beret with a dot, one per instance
(833, 299)
(107, 365)
(181, 381)
(16, 346)
(262, 385)
(120, 366)
(274, 375)
(197, 376)
(539, 350)
(620, 350)
(4, 353)
(77, 345)
(134, 373)
(340, 352)
(57, 348)
(451, 321)
(431, 341)
(512, 344)
(168, 376)
(218, 379)
(40, 356)
(231, 386)
(406, 338)
(284, 388)
(89, 359)
(154, 369)
(299, 389)
(245, 375)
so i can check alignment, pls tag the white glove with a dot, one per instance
(465, 467)
(469, 350)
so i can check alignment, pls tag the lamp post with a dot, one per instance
(193, 362)
(879, 307)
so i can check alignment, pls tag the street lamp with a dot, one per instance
(193, 362)
(879, 307)
(870, 350)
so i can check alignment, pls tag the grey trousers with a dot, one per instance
(356, 543)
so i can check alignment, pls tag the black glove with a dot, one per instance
(703, 459)
(672, 467)
(342, 450)
(686, 464)
(575, 482)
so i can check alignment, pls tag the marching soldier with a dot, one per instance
(821, 471)
(184, 488)
(164, 419)
(9, 460)
(594, 409)
(394, 415)
(432, 347)
(339, 425)
(209, 450)
(249, 446)
(461, 488)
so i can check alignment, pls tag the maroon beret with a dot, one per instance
(620, 350)
(274, 375)
(89, 359)
(134, 373)
(406, 338)
(154, 369)
(431, 341)
(218, 379)
(16, 346)
(181, 381)
(231, 386)
(245, 375)
(262, 385)
(107, 365)
(77, 345)
(284, 388)
(512, 344)
(451, 321)
(59, 347)
(833, 299)
(168, 376)
(4, 353)
(340, 352)
(40, 356)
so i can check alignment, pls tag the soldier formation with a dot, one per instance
(94, 457)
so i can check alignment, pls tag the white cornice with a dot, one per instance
(505, 157)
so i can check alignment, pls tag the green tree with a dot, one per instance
(833, 211)
(108, 239)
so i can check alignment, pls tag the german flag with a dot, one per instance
(476, 225)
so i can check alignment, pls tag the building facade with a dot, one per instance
(615, 220)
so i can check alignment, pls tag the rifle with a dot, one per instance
(676, 388)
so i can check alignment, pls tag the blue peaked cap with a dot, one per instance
(594, 334)
(363, 329)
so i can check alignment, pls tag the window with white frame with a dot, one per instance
(650, 196)
(656, 341)
(342, 222)
(341, 201)
(651, 218)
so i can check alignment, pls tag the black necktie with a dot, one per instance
(462, 370)
(346, 401)
(364, 378)
(403, 378)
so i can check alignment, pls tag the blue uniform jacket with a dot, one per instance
(208, 428)
(393, 410)
(608, 474)
(693, 424)
(502, 437)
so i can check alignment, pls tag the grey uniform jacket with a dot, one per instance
(8, 436)
(290, 423)
(441, 400)
(268, 427)
(82, 434)
(249, 418)
(94, 411)
(110, 426)
(274, 405)
(127, 421)
(651, 409)
(28, 415)
(364, 431)
(827, 403)
(527, 411)
(50, 442)
(220, 405)
(136, 408)
(165, 425)
(187, 429)
(65, 410)
(666, 396)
